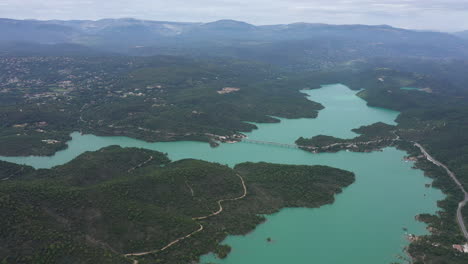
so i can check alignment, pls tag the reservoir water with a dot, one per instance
(363, 226)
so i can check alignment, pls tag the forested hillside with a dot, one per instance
(116, 201)
(44, 99)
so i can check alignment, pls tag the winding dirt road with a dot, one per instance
(452, 175)
(190, 188)
(168, 245)
(224, 200)
(140, 165)
(194, 218)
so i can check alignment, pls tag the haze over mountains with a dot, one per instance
(462, 34)
(285, 44)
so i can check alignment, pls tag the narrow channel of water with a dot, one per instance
(364, 225)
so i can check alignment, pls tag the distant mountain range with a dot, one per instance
(144, 31)
(462, 34)
(286, 44)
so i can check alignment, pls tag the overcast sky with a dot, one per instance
(444, 15)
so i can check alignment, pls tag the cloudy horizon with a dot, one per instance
(440, 15)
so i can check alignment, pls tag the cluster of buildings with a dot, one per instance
(226, 139)
(461, 248)
(50, 141)
(227, 90)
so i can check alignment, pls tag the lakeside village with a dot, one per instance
(459, 248)
(215, 140)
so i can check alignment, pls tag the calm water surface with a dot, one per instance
(363, 226)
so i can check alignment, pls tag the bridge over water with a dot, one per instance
(284, 145)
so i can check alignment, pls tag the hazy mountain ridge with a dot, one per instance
(298, 45)
(462, 34)
(70, 31)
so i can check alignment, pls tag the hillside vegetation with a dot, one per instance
(116, 201)
(44, 99)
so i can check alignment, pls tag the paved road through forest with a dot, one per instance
(461, 204)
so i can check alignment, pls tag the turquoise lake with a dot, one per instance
(363, 226)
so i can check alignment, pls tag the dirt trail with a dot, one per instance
(194, 218)
(224, 200)
(168, 245)
(190, 188)
(141, 164)
(452, 175)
